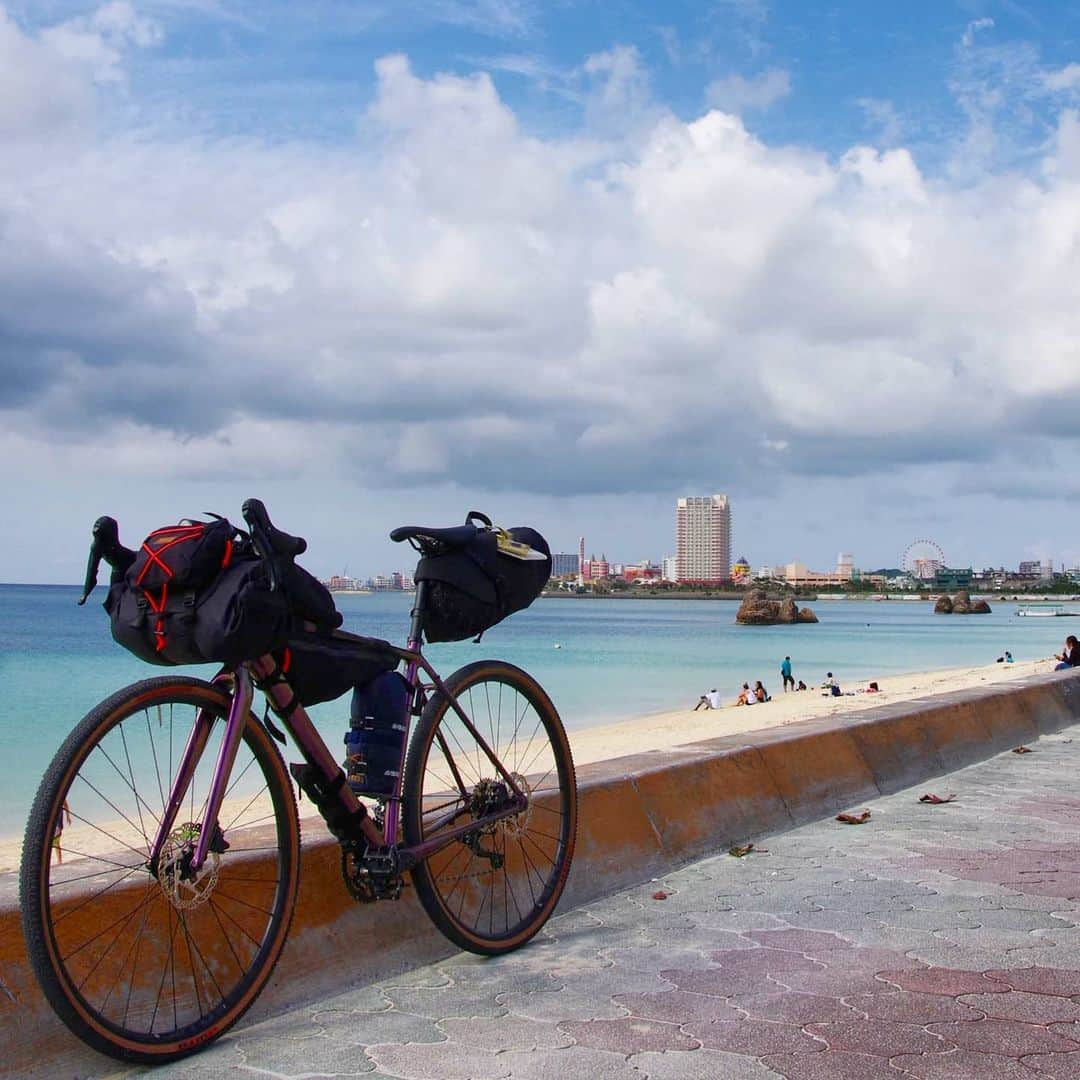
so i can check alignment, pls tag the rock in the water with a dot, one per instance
(961, 604)
(789, 611)
(758, 610)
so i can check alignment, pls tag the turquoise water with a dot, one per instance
(618, 658)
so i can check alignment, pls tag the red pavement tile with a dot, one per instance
(813, 943)
(754, 1037)
(1025, 1007)
(794, 1008)
(903, 1007)
(1040, 980)
(629, 1035)
(836, 982)
(947, 981)
(764, 961)
(962, 1065)
(677, 1006)
(1005, 1037)
(834, 1065)
(879, 1038)
(1058, 1066)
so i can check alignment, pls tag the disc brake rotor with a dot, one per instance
(186, 890)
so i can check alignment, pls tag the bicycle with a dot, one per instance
(181, 837)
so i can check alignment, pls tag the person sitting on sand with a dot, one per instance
(1069, 655)
(760, 693)
(830, 685)
(746, 696)
(801, 686)
(872, 688)
(1006, 659)
(711, 700)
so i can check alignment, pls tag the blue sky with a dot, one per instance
(564, 262)
(282, 69)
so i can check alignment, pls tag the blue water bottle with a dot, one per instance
(376, 734)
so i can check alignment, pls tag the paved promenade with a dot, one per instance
(932, 941)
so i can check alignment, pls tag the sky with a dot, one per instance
(563, 262)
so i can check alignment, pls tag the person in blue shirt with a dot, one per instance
(785, 672)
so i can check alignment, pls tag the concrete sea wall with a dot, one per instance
(639, 817)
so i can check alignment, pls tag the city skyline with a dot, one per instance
(383, 263)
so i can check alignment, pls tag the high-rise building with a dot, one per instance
(564, 564)
(703, 539)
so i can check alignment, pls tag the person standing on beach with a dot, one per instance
(785, 672)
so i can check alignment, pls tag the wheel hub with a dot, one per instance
(185, 888)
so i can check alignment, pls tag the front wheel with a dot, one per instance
(150, 961)
(493, 888)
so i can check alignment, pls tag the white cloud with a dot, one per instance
(1067, 78)
(973, 28)
(453, 299)
(737, 94)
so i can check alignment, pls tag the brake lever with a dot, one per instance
(105, 542)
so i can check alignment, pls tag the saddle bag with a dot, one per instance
(196, 593)
(322, 667)
(472, 588)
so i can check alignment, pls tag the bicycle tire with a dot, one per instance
(75, 912)
(535, 846)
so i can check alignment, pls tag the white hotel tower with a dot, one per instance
(703, 538)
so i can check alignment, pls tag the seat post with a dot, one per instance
(417, 625)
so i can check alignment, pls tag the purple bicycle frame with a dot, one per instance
(316, 754)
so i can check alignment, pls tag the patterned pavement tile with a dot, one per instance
(439, 1061)
(962, 1065)
(832, 1065)
(756, 1038)
(629, 1035)
(1036, 980)
(879, 1038)
(701, 1064)
(308, 1057)
(505, 1033)
(677, 1007)
(1005, 1037)
(1058, 1066)
(902, 1007)
(573, 1063)
(793, 1007)
(1025, 1007)
(944, 981)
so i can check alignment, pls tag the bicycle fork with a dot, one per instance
(209, 837)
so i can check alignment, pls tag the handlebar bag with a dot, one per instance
(474, 587)
(196, 594)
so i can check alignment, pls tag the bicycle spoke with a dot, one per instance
(151, 960)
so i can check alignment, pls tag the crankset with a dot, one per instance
(373, 874)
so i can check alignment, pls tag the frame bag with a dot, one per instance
(472, 588)
(197, 594)
(320, 667)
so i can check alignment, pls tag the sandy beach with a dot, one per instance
(659, 731)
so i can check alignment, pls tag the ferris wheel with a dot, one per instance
(922, 559)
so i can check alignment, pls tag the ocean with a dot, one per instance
(600, 660)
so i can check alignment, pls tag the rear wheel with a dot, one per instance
(492, 889)
(149, 963)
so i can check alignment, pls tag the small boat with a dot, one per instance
(1047, 611)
